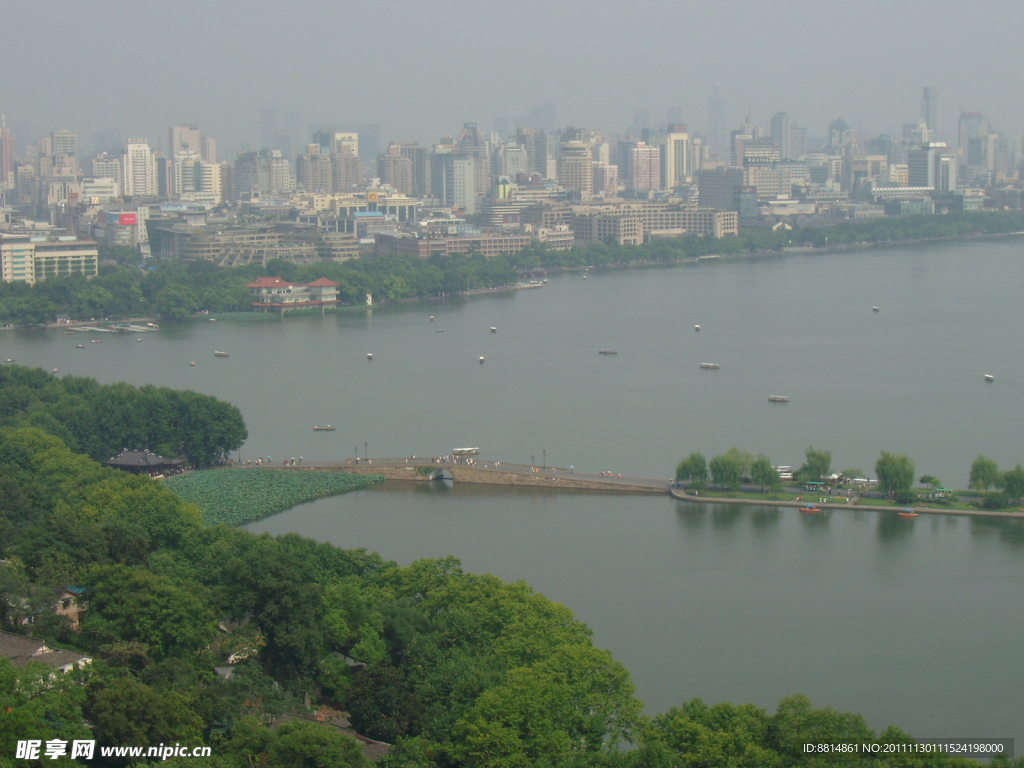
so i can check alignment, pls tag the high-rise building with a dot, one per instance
(106, 166)
(184, 140)
(396, 170)
(139, 169)
(972, 126)
(65, 143)
(718, 130)
(418, 157)
(675, 157)
(933, 165)
(645, 166)
(780, 134)
(313, 171)
(453, 180)
(576, 168)
(6, 155)
(331, 142)
(839, 133)
(930, 108)
(265, 172)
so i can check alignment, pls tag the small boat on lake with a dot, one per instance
(369, 355)
(875, 309)
(439, 330)
(79, 346)
(607, 352)
(9, 360)
(810, 509)
(696, 328)
(907, 512)
(481, 358)
(494, 329)
(221, 354)
(778, 399)
(709, 366)
(431, 318)
(328, 428)
(989, 377)
(95, 341)
(192, 363)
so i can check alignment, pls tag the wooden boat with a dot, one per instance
(328, 428)
(607, 352)
(810, 509)
(778, 399)
(907, 512)
(709, 366)
(221, 354)
(465, 451)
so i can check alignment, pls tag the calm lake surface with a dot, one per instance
(915, 623)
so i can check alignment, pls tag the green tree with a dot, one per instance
(984, 473)
(130, 713)
(726, 735)
(930, 480)
(895, 473)
(175, 302)
(764, 474)
(726, 470)
(1011, 482)
(312, 745)
(817, 464)
(694, 468)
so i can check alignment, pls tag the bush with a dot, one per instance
(997, 500)
(905, 497)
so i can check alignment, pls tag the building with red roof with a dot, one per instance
(273, 293)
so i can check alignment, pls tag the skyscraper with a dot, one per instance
(780, 133)
(6, 159)
(675, 157)
(718, 131)
(930, 108)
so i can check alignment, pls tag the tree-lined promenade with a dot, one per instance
(175, 290)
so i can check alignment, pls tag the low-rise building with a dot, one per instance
(22, 650)
(273, 293)
(29, 259)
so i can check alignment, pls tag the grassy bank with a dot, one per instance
(239, 496)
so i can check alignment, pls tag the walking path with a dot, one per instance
(499, 473)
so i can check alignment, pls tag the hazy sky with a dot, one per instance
(420, 69)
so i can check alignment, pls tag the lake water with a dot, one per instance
(910, 622)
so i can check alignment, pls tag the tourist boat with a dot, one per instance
(607, 352)
(79, 346)
(212, 320)
(481, 358)
(328, 428)
(875, 309)
(9, 360)
(709, 366)
(431, 318)
(696, 327)
(493, 329)
(810, 509)
(193, 362)
(95, 341)
(465, 451)
(55, 370)
(439, 330)
(221, 354)
(907, 512)
(138, 339)
(369, 355)
(778, 399)
(989, 377)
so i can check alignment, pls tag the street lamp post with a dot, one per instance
(531, 461)
(366, 451)
(545, 453)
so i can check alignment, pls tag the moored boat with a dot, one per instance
(907, 512)
(810, 509)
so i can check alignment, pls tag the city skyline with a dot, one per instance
(357, 66)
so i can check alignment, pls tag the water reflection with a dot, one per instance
(894, 529)
(764, 518)
(1009, 532)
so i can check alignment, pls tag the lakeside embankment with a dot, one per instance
(497, 473)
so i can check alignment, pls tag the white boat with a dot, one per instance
(709, 366)
(493, 329)
(431, 318)
(481, 358)
(989, 377)
(875, 309)
(778, 399)
(696, 328)
(465, 451)
(607, 352)
(221, 354)
(369, 355)
(79, 346)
